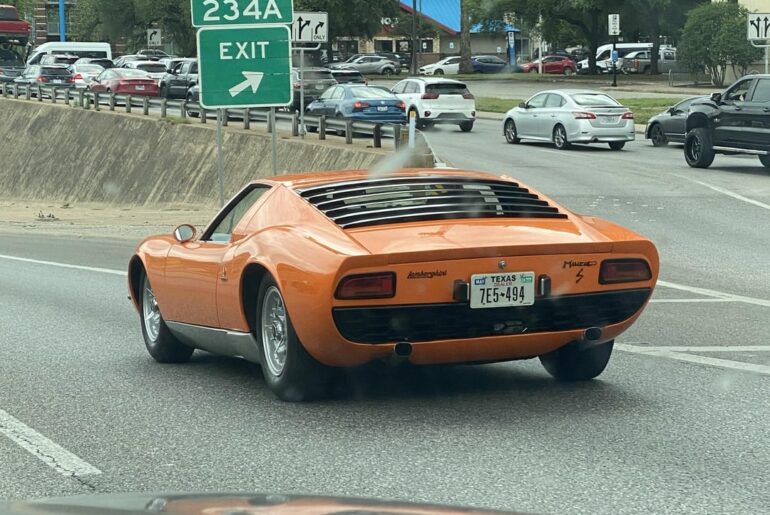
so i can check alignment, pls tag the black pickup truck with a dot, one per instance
(736, 121)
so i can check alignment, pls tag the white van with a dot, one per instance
(604, 55)
(80, 49)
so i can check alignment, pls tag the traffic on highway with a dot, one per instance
(548, 293)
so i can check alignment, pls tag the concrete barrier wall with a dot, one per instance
(61, 153)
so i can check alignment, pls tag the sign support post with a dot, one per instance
(613, 27)
(274, 140)
(220, 156)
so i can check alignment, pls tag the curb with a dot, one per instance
(498, 117)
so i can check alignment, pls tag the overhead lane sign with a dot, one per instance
(241, 12)
(759, 26)
(245, 66)
(310, 27)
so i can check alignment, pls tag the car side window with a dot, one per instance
(683, 107)
(194, 68)
(538, 100)
(338, 93)
(223, 230)
(739, 91)
(554, 100)
(327, 94)
(398, 88)
(411, 88)
(762, 92)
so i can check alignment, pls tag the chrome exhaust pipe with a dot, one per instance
(401, 353)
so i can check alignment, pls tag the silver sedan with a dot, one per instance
(565, 117)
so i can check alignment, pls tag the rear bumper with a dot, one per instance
(584, 132)
(448, 117)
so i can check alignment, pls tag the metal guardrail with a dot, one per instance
(165, 108)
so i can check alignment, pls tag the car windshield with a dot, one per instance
(8, 13)
(151, 67)
(594, 100)
(370, 92)
(54, 71)
(318, 75)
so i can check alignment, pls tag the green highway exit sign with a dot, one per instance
(245, 66)
(241, 12)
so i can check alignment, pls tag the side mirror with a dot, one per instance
(523, 105)
(184, 233)
(716, 97)
(671, 110)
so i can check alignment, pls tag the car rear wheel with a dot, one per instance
(617, 145)
(290, 372)
(567, 71)
(511, 134)
(160, 343)
(657, 136)
(698, 150)
(388, 72)
(560, 140)
(574, 362)
(466, 126)
(765, 161)
(190, 112)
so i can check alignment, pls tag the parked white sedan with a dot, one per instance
(446, 66)
(565, 117)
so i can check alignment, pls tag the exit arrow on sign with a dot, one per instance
(253, 80)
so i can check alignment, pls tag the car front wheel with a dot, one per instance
(511, 134)
(290, 372)
(698, 150)
(574, 362)
(560, 140)
(765, 161)
(657, 136)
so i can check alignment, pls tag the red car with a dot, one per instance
(123, 81)
(12, 28)
(552, 64)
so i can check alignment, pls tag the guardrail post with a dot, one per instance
(202, 114)
(15, 91)
(97, 106)
(183, 110)
(39, 93)
(80, 98)
(377, 136)
(53, 95)
(112, 101)
(397, 136)
(349, 132)
(5, 91)
(163, 106)
(67, 97)
(128, 103)
(247, 118)
(295, 124)
(224, 117)
(322, 128)
(145, 106)
(269, 125)
(27, 92)
(87, 103)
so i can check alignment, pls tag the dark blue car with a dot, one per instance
(489, 64)
(358, 102)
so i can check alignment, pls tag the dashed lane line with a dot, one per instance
(47, 451)
(727, 192)
(64, 265)
(715, 294)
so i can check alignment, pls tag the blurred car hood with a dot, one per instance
(213, 504)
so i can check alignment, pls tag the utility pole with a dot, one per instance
(62, 24)
(414, 37)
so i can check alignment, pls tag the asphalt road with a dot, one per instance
(677, 424)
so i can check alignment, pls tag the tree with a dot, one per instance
(466, 66)
(715, 37)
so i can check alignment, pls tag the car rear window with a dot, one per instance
(367, 92)
(594, 99)
(152, 68)
(317, 75)
(447, 88)
(54, 71)
(89, 68)
(8, 13)
(126, 72)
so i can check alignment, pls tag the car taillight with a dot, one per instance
(401, 105)
(40, 78)
(624, 271)
(78, 77)
(584, 116)
(628, 116)
(468, 95)
(430, 96)
(367, 286)
(360, 105)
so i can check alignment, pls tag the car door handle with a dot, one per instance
(738, 108)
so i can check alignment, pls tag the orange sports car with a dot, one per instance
(306, 273)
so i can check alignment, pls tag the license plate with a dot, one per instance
(140, 88)
(56, 81)
(382, 108)
(319, 86)
(501, 290)
(610, 119)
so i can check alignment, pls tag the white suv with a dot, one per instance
(438, 101)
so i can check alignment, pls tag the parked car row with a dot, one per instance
(481, 64)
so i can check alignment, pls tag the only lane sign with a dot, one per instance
(241, 12)
(245, 66)
(759, 26)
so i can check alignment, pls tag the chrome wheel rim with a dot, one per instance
(275, 331)
(657, 135)
(510, 131)
(560, 137)
(694, 149)
(150, 312)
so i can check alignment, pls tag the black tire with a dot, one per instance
(617, 145)
(163, 346)
(466, 126)
(560, 140)
(568, 72)
(191, 113)
(657, 136)
(698, 149)
(510, 132)
(439, 72)
(388, 72)
(311, 128)
(163, 93)
(301, 378)
(571, 363)
(765, 161)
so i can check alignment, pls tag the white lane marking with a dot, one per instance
(701, 360)
(708, 348)
(50, 453)
(689, 301)
(728, 193)
(64, 265)
(715, 294)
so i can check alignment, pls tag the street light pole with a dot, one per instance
(414, 37)
(62, 24)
